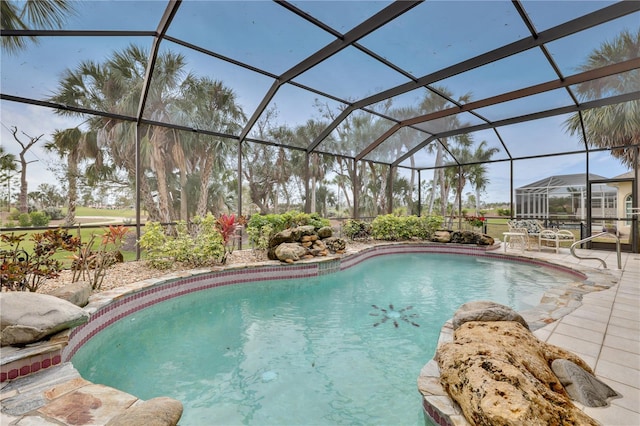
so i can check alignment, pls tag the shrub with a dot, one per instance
(397, 228)
(54, 213)
(24, 220)
(14, 214)
(198, 243)
(39, 219)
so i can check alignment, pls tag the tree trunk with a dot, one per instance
(158, 156)
(24, 187)
(434, 184)
(314, 167)
(72, 195)
(205, 175)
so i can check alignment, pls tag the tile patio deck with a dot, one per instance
(605, 332)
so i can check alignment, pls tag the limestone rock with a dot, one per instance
(441, 236)
(469, 237)
(483, 310)
(485, 240)
(77, 293)
(290, 252)
(290, 235)
(160, 411)
(462, 237)
(325, 232)
(28, 317)
(319, 245)
(581, 385)
(308, 238)
(335, 244)
(305, 230)
(498, 373)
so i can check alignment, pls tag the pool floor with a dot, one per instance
(343, 348)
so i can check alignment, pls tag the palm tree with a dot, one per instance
(472, 169)
(116, 86)
(433, 102)
(612, 125)
(31, 14)
(75, 145)
(207, 104)
(477, 173)
(318, 164)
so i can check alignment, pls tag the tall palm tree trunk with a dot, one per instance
(205, 175)
(72, 195)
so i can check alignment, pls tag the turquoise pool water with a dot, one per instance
(338, 349)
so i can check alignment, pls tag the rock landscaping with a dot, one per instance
(304, 242)
(498, 372)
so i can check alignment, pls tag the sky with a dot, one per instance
(265, 35)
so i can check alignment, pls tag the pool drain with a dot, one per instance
(269, 376)
(394, 315)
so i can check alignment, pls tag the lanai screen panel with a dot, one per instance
(293, 68)
(402, 141)
(438, 34)
(261, 34)
(297, 110)
(539, 137)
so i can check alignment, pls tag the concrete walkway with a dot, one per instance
(604, 331)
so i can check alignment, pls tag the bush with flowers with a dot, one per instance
(475, 221)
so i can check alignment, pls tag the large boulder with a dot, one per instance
(463, 237)
(325, 232)
(289, 235)
(441, 236)
(499, 374)
(29, 317)
(77, 293)
(290, 252)
(160, 411)
(483, 310)
(335, 244)
(306, 230)
(470, 237)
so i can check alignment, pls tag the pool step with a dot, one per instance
(60, 395)
(19, 362)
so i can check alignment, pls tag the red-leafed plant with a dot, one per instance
(228, 226)
(91, 264)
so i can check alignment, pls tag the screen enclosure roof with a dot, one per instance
(506, 74)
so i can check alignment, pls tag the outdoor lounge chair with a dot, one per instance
(537, 233)
(553, 238)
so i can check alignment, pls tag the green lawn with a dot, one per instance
(89, 211)
(85, 234)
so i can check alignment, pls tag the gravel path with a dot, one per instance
(130, 272)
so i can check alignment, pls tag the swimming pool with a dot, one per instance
(341, 348)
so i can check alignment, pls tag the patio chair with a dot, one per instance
(540, 235)
(530, 227)
(553, 237)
